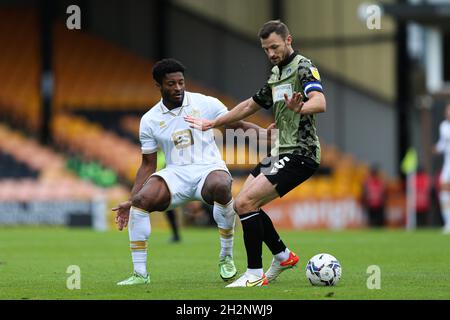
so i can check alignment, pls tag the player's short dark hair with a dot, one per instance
(165, 66)
(273, 26)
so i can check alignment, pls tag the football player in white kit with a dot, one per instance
(194, 169)
(443, 147)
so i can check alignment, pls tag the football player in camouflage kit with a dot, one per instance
(294, 92)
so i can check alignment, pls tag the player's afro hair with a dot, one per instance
(165, 66)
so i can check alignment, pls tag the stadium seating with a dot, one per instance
(94, 75)
(48, 178)
(10, 168)
(20, 67)
(77, 135)
(92, 72)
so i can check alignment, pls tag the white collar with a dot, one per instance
(186, 102)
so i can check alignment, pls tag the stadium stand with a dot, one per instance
(34, 173)
(20, 67)
(76, 135)
(91, 72)
(101, 91)
(10, 168)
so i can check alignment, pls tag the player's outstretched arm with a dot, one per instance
(316, 103)
(148, 167)
(241, 111)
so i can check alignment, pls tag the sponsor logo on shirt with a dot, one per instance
(182, 139)
(279, 91)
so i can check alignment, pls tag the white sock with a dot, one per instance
(225, 218)
(226, 242)
(256, 272)
(139, 230)
(283, 255)
(447, 219)
(444, 197)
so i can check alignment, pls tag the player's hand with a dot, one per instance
(122, 214)
(295, 103)
(200, 124)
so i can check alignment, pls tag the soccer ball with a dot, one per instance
(323, 270)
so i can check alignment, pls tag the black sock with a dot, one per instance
(253, 230)
(271, 237)
(173, 223)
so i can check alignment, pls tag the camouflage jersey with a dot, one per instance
(297, 133)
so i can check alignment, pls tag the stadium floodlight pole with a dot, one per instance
(403, 94)
(278, 9)
(160, 27)
(403, 80)
(47, 80)
(411, 192)
(278, 13)
(425, 106)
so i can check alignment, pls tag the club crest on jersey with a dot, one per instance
(162, 124)
(315, 73)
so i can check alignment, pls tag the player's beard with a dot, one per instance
(284, 56)
(177, 99)
(171, 101)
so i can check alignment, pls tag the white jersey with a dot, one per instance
(443, 145)
(182, 145)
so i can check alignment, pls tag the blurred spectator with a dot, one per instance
(443, 147)
(423, 197)
(437, 218)
(374, 197)
(171, 216)
(197, 213)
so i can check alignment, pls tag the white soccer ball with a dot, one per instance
(323, 270)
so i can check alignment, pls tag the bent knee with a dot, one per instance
(222, 190)
(150, 204)
(142, 202)
(244, 204)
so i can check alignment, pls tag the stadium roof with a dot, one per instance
(437, 15)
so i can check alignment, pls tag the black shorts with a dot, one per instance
(286, 171)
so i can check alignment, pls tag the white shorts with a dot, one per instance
(185, 183)
(445, 174)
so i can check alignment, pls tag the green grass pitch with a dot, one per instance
(34, 261)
